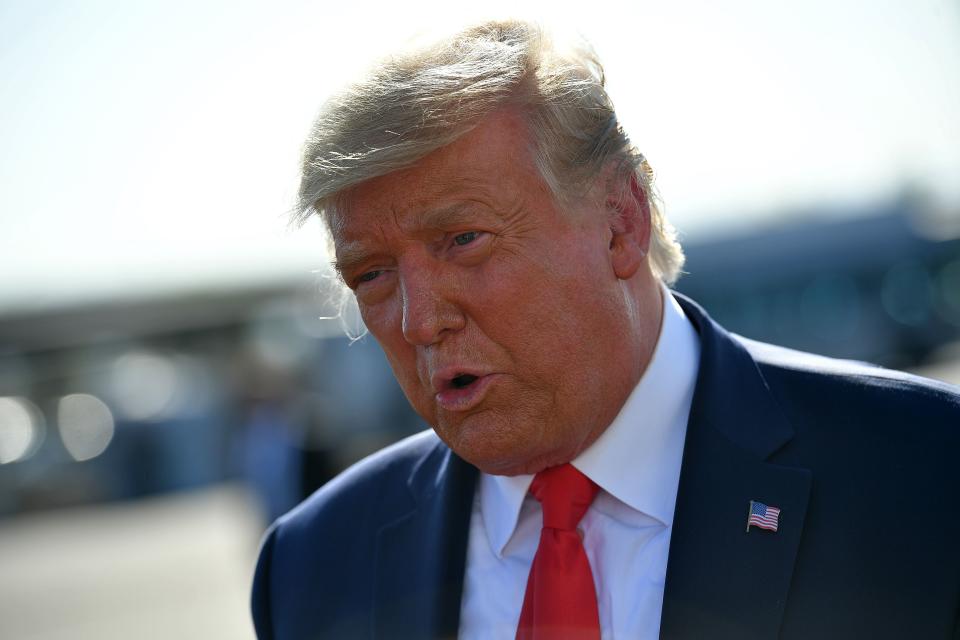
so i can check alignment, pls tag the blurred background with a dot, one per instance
(168, 384)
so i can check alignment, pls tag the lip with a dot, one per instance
(453, 399)
(441, 378)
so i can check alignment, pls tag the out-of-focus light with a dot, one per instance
(830, 306)
(86, 425)
(277, 339)
(907, 294)
(143, 385)
(949, 281)
(21, 429)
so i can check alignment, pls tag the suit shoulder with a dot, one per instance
(376, 482)
(316, 562)
(822, 379)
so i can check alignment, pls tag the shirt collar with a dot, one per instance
(637, 458)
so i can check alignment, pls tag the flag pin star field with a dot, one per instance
(763, 516)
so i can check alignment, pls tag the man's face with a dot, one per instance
(507, 321)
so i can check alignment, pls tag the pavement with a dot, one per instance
(177, 566)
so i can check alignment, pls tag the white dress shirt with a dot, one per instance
(626, 531)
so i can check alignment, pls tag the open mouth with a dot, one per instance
(463, 381)
(463, 391)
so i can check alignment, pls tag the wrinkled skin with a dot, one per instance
(464, 263)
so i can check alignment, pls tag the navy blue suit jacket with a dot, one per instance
(863, 463)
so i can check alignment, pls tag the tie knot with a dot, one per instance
(565, 495)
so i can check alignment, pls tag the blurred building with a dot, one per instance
(122, 399)
(881, 284)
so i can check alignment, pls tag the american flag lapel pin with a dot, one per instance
(763, 516)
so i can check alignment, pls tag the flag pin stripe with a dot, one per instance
(762, 516)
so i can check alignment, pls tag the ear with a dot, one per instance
(630, 229)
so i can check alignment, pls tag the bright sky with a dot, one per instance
(149, 146)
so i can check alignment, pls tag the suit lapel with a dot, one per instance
(722, 581)
(421, 554)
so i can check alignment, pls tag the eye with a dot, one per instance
(369, 276)
(462, 239)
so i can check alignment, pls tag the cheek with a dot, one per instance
(547, 283)
(545, 315)
(540, 316)
(383, 321)
(404, 366)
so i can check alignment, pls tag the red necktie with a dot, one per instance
(561, 601)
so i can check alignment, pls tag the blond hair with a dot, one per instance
(419, 101)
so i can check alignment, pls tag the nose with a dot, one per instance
(429, 309)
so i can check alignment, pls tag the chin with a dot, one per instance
(498, 447)
(520, 466)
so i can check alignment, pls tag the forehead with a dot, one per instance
(488, 166)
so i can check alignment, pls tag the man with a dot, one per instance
(605, 461)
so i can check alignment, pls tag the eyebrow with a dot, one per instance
(353, 253)
(452, 214)
(348, 257)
